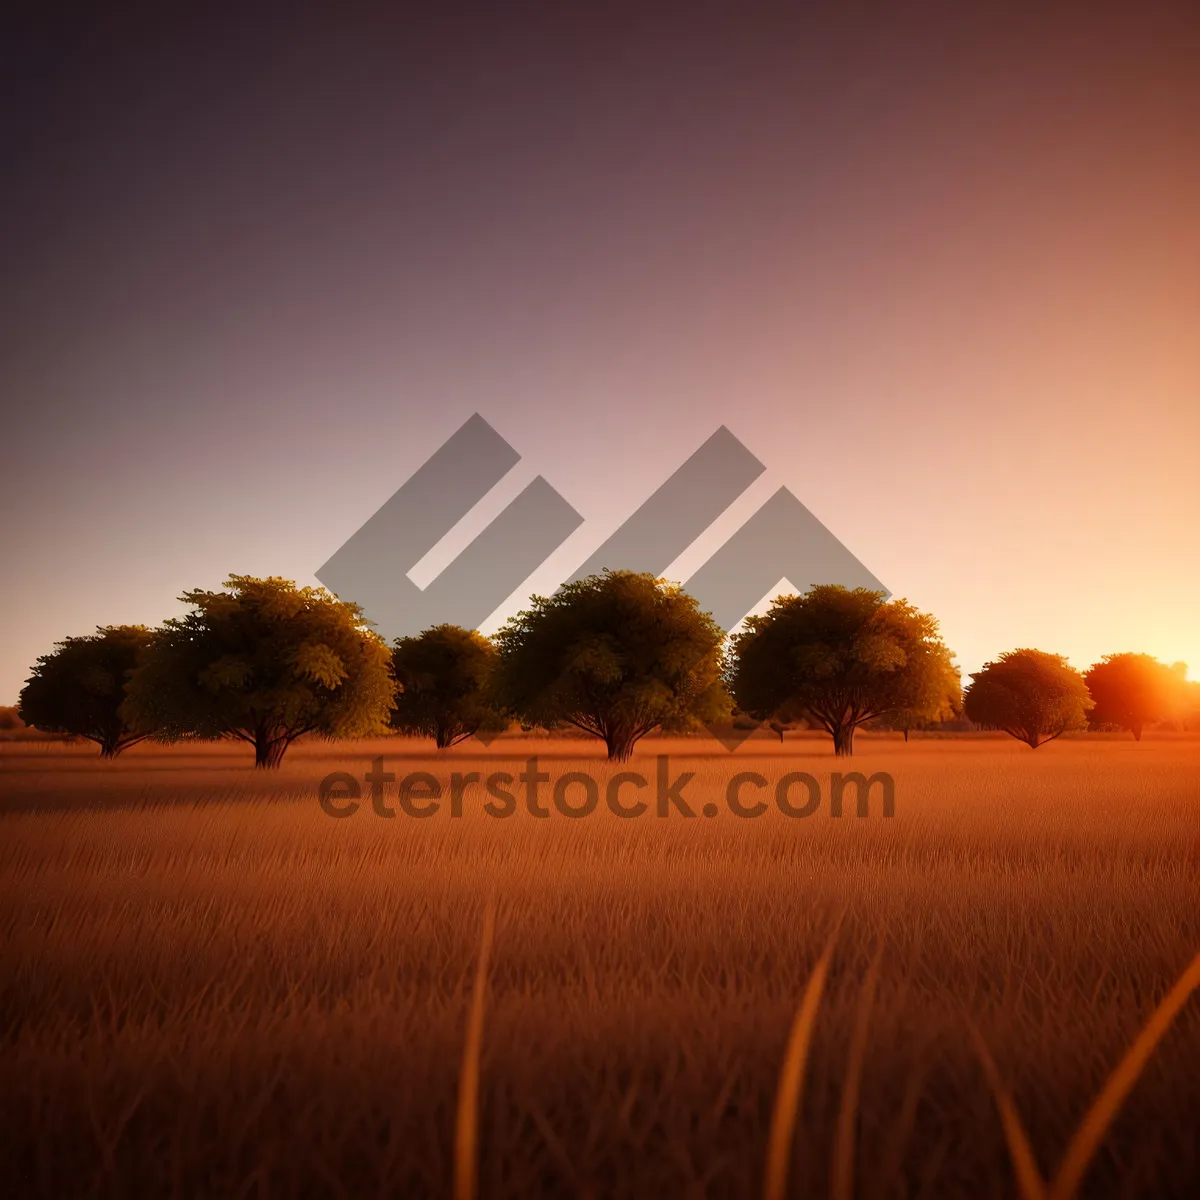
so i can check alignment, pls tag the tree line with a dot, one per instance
(617, 655)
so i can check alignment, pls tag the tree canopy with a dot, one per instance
(264, 662)
(446, 676)
(841, 657)
(1133, 691)
(1030, 694)
(616, 655)
(79, 688)
(949, 707)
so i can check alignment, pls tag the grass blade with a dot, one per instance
(1029, 1179)
(1094, 1125)
(791, 1079)
(842, 1185)
(466, 1125)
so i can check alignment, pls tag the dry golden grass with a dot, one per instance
(209, 987)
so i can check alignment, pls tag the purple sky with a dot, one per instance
(939, 271)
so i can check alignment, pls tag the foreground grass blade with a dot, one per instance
(1094, 1126)
(791, 1080)
(466, 1126)
(1029, 1179)
(842, 1186)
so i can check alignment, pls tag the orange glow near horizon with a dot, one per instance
(940, 277)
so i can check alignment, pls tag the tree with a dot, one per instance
(790, 716)
(446, 676)
(1032, 695)
(946, 708)
(779, 728)
(1133, 691)
(841, 658)
(264, 662)
(615, 655)
(79, 688)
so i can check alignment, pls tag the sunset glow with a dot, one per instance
(945, 290)
(595, 600)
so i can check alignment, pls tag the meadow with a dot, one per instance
(210, 987)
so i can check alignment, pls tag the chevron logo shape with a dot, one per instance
(781, 540)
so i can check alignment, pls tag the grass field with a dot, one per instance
(209, 987)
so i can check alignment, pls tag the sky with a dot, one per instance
(936, 266)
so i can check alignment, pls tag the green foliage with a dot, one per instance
(79, 687)
(841, 658)
(945, 704)
(1134, 690)
(615, 655)
(264, 662)
(446, 676)
(1032, 695)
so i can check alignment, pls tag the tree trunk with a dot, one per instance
(906, 733)
(110, 747)
(268, 751)
(843, 741)
(620, 743)
(1136, 730)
